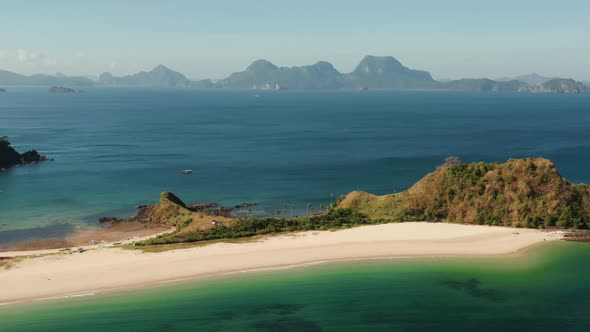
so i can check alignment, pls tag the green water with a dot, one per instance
(546, 289)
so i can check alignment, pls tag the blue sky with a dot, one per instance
(451, 39)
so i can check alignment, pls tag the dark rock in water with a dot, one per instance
(2, 90)
(61, 89)
(31, 157)
(244, 205)
(10, 157)
(105, 220)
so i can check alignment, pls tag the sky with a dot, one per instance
(211, 39)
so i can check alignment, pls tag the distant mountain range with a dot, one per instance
(8, 78)
(373, 72)
(160, 76)
(530, 79)
(557, 85)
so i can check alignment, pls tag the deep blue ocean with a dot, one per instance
(118, 148)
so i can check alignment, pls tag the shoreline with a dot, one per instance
(109, 269)
(121, 232)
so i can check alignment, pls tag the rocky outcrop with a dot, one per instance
(61, 89)
(9, 157)
(557, 85)
(171, 210)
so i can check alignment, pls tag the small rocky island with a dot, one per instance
(2, 90)
(10, 157)
(61, 89)
(557, 85)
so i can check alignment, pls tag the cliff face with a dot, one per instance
(187, 219)
(523, 193)
(170, 210)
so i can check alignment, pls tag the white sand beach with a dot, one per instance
(105, 268)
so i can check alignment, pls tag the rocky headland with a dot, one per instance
(523, 193)
(9, 157)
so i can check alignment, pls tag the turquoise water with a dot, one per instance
(118, 148)
(545, 289)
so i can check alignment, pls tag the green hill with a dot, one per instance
(521, 193)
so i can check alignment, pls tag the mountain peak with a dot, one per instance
(161, 68)
(379, 72)
(372, 64)
(262, 65)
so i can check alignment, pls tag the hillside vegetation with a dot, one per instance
(520, 193)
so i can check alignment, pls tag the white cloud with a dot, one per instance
(29, 56)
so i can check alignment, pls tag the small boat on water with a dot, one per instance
(187, 171)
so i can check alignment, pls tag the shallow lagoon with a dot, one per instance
(543, 289)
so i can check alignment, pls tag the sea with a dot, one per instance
(116, 148)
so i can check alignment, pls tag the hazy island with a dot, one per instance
(2, 90)
(10, 157)
(61, 89)
(372, 73)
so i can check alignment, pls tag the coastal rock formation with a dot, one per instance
(10, 157)
(557, 85)
(521, 193)
(172, 211)
(61, 89)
